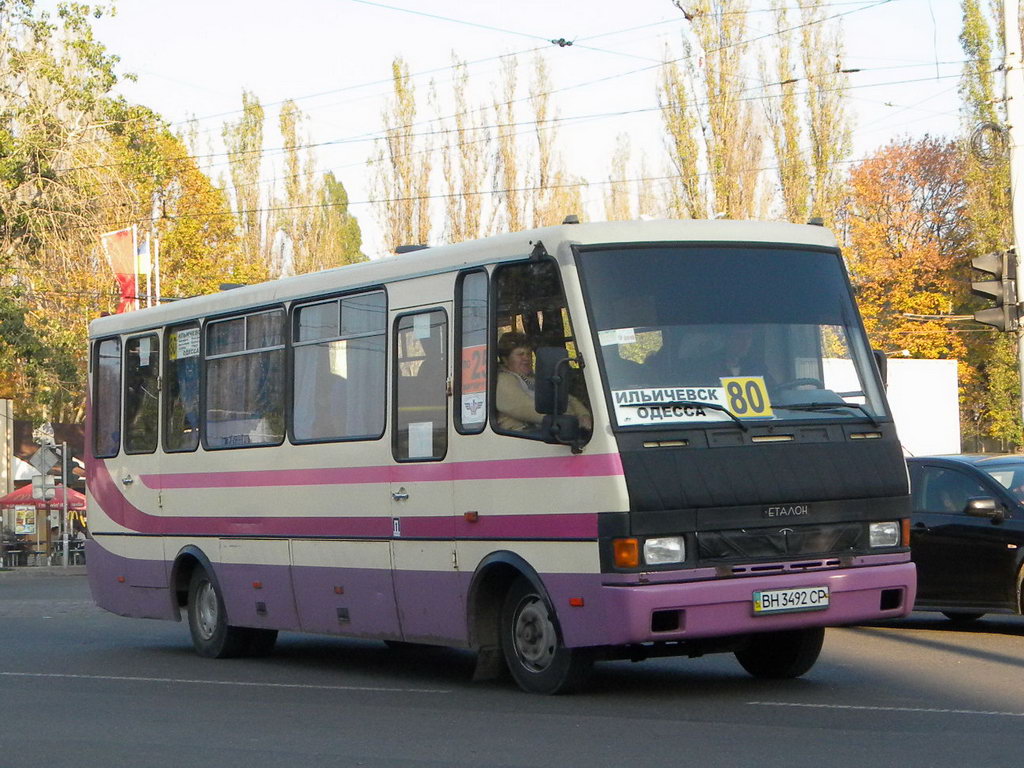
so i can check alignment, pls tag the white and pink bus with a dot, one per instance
(706, 461)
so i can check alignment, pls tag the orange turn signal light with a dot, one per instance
(576, 602)
(905, 532)
(626, 553)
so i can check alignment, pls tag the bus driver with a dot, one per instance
(514, 397)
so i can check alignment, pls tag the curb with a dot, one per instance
(30, 571)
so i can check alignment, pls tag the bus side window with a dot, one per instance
(421, 373)
(106, 399)
(339, 368)
(245, 364)
(141, 401)
(532, 312)
(181, 388)
(471, 380)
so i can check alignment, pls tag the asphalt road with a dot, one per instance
(80, 687)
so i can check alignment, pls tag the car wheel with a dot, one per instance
(207, 621)
(532, 644)
(963, 617)
(781, 655)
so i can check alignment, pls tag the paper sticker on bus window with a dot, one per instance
(617, 336)
(474, 369)
(421, 440)
(474, 408)
(746, 397)
(184, 343)
(421, 326)
(144, 352)
(667, 405)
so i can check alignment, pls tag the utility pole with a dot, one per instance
(1013, 69)
(64, 503)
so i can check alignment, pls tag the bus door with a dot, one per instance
(137, 470)
(423, 528)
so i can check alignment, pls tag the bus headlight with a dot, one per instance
(884, 534)
(664, 549)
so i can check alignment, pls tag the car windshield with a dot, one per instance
(754, 332)
(1010, 476)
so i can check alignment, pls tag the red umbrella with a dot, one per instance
(23, 497)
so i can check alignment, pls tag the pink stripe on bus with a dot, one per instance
(120, 510)
(600, 465)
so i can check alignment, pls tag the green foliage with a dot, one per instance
(992, 405)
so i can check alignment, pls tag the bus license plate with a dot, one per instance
(791, 600)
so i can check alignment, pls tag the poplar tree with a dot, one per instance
(510, 209)
(464, 162)
(402, 168)
(688, 197)
(554, 194)
(782, 111)
(732, 133)
(992, 408)
(829, 124)
(244, 142)
(617, 205)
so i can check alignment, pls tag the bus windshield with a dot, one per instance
(728, 333)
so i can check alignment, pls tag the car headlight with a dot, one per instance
(884, 534)
(664, 549)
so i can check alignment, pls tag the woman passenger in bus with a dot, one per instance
(514, 396)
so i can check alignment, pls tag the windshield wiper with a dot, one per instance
(695, 404)
(826, 406)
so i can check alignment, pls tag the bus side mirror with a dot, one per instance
(551, 387)
(882, 363)
(561, 430)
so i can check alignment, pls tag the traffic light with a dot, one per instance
(1003, 289)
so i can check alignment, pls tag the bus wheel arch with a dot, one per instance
(186, 562)
(493, 578)
(491, 582)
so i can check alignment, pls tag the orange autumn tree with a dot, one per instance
(908, 238)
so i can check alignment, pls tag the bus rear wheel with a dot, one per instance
(781, 655)
(532, 644)
(207, 621)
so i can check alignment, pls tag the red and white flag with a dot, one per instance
(120, 250)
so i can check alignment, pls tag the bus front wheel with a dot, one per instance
(532, 645)
(781, 655)
(207, 621)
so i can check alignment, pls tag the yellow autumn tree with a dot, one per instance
(908, 228)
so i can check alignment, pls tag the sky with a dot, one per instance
(193, 58)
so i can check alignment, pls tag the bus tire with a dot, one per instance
(207, 621)
(532, 644)
(781, 655)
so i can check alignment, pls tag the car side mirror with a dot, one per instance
(984, 507)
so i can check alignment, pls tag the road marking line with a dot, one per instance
(885, 709)
(225, 682)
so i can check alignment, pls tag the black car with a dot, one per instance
(967, 534)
